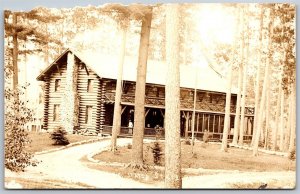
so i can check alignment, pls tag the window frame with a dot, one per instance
(89, 85)
(88, 115)
(56, 109)
(57, 85)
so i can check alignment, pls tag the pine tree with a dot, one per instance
(172, 116)
(139, 106)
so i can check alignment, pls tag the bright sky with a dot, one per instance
(215, 24)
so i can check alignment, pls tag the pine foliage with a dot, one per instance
(59, 136)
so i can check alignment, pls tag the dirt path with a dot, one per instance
(66, 165)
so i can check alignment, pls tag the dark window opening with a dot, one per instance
(56, 112)
(90, 85)
(210, 98)
(88, 114)
(57, 85)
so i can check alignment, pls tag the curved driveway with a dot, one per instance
(65, 165)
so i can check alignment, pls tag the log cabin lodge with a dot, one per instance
(79, 94)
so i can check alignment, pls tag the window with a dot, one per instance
(90, 85)
(88, 114)
(126, 88)
(57, 85)
(210, 98)
(56, 112)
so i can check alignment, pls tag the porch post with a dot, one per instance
(187, 124)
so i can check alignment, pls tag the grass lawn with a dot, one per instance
(207, 156)
(47, 184)
(41, 141)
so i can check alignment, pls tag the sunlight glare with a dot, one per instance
(216, 24)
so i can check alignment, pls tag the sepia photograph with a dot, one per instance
(150, 96)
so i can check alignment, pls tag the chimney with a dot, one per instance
(70, 101)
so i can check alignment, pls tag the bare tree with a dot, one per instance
(172, 116)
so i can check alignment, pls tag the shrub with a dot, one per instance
(129, 146)
(58, 136)
(16, 137)
(157, 152)
(292, 155)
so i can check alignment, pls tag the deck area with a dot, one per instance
(151, 132)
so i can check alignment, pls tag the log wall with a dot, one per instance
(88, 99)
(55, 97)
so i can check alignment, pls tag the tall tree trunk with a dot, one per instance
(238, 102)
(264, 92)
(15, 54)
(293, 119)
(274, 133)
(288, 128)
(238, 108)
(227, 110)
(117, 106)
(172, 115)
(242, 124)
(281, 121)
(139, 106)
(257, 88)
(267, 111)
(194, 110)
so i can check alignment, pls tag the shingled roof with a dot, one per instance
(106, 66)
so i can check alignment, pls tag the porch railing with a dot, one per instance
(128, 131)
(185, 104)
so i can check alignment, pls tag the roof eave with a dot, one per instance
(45, 72)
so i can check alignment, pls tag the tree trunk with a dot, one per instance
(288, 128)
(117, 106)
(264, 92)
(242, 126)
(227, 110)
(281, 122)
(267, 112)
(194, 110)
(238, 108)
(139, 106)
(238, 102)
(172, 115)
(245, 61)
(274, 133)
(257, 88)
(293, 120)
(15, 54)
